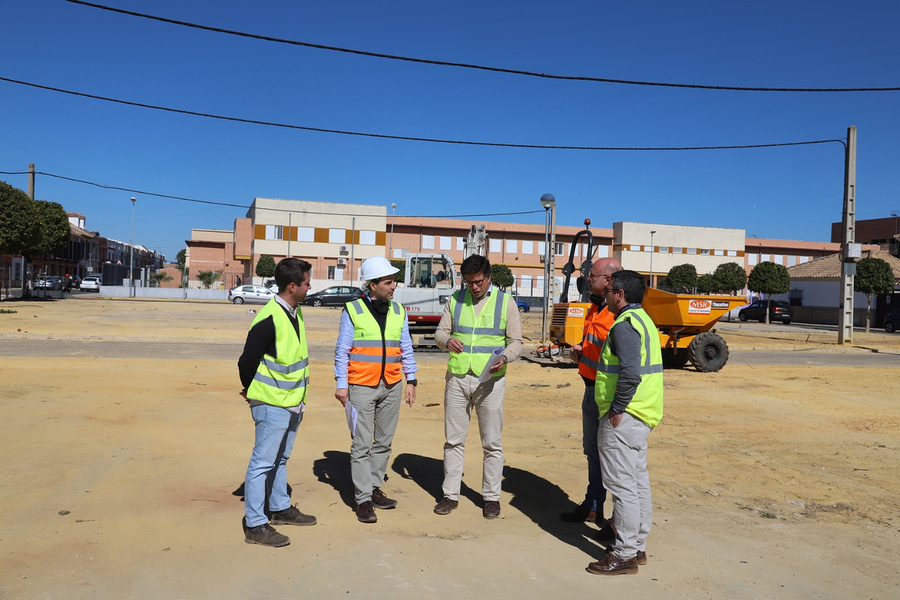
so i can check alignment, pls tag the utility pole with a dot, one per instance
(849, 250)
(31, 181)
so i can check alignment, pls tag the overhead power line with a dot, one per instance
(474, 66)
(410, 138)
(247, 207)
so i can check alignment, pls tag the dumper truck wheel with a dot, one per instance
(708, 352)
(672, 360)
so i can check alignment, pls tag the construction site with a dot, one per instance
(126, 440)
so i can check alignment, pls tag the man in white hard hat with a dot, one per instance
(373, 353)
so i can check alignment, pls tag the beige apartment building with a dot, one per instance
(336, 237)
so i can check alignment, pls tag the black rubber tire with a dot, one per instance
(316, 302)
(238, 300)
(671, 360)
(742, 316)
(708, 352)
(889, 327)
(521, 309)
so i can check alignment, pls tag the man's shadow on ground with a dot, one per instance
(334, 469)
(538, 499)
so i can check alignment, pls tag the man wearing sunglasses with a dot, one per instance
(629, 392)
(482, 330)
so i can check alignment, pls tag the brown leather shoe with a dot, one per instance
(365, 512)
(445, 506)
(581, 514)
(641, 557)
(613, 566)
(491, 509)
(382, 501)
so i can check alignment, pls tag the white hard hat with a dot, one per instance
(376, 267)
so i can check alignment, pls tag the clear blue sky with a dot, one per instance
(788, 192)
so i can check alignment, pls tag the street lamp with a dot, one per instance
(131, 265)
(391, 251)
(549, 204)
(652, 232)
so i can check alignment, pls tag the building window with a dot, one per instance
(692, 251)
(337, 236)
(719, 252)
(460, 244)
(306, 234)
(496, 245)
(704, 251)
(527, 247)
(445, 242)
(779, 259)
(792, 260)
(560, 249)
(602, 252)
(331, 269)
(366, 238)
(765, 258)
(752, 259)
(512, 247)
(525, 286)
(428, 242)
(541, 249)
(274, 232)
(663, 250)
(677, 251)
(795, 297)
(732, 253)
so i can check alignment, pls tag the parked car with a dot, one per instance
(50, 282)
(892, 320)
(334, 296)
(250, 293)
(90, 283)
(522, 305)
(779, 310)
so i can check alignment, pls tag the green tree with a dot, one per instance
(401, 274)
(265, 266)
(207, 278)
(873, 277)
(19, 223)
(501, 276)
(707, 284)
(55, 230)
(730, 277)
(682, 277)
(769, 278)
(181, 259)
(158, 277)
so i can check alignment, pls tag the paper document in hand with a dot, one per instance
(496, 355)
(352, 413)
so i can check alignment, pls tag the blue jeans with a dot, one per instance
(276, 429)
(590, 420)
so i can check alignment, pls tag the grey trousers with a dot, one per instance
(379, 411)
(623, 458)
(462, 394)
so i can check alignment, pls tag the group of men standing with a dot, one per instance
(619, 361)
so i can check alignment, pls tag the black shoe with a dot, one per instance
(606, 535)
(365, 512)
(445, 506)
(581, 514)
(491, 509)
(264, 535)
(291, 516)
(641, 557)
(382, 501)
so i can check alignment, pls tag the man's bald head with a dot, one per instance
(600, 273)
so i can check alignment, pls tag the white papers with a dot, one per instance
(352, 413)
(496, 355)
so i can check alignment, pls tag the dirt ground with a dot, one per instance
(124, 438)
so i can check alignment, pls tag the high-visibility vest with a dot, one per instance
(282, 380)
(647, 402)
(596, 328)
(373, 356)
(481, 336)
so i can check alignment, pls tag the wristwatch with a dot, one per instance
(412, 382)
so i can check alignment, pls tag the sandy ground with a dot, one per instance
(123, 440)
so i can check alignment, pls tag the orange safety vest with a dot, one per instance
(596, 329)
(373, 356)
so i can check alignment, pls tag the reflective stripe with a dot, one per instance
(285, 369)
(589, 363)
(642, 370)
(376, 343)
(371, 358)
(593, 339)
(481, 349)
(279, 384)
(481, 330)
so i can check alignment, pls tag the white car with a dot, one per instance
(90, 283)
(250, 293)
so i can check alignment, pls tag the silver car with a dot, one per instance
(250, 293)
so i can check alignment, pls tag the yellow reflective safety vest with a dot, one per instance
(371, 356)
(647, 402)
(282, 380)
(481, 336)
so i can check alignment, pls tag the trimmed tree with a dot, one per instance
(682, 277)
(265, 266)
(501, 276)
(707, 284)
(873, 277)
(769, 278)
(730, 277)
(401, 274)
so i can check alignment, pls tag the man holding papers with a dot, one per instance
(482, 330)
(373, 353)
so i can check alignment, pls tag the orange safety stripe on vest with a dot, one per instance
(596, 329)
